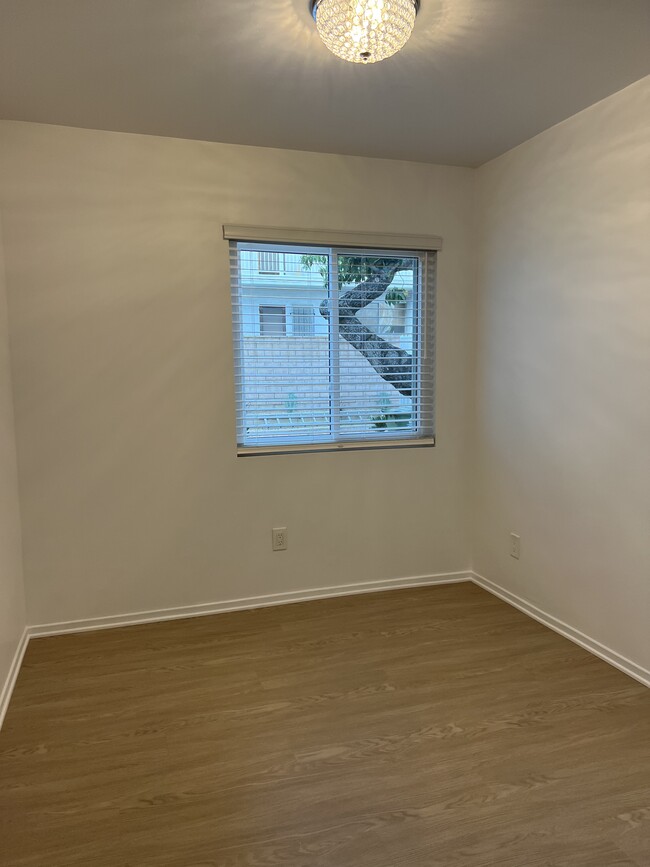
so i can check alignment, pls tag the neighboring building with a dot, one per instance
(281, 298)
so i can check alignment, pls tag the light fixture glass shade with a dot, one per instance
(365, 31)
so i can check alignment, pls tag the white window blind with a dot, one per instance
(353, 364)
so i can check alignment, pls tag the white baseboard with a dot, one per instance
(245, 603)
(602, 651)
(14, 668)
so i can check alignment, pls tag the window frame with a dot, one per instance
(281, 323)
(423, 324)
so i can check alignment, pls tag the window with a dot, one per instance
(273, 263)
(350, 363)
(303, 321)
(273, 320)
(269, 262)
(394, 318)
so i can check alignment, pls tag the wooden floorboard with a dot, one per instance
(434, 727)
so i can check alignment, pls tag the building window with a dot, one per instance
(303, 321)
(361, 373)
(273, 320)
(269, 262)
(394, 318)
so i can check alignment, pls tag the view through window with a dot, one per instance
(332, 345)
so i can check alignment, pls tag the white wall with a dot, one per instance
(132, 495)
(12, 599)
(563, 361)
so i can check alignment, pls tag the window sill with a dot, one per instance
(361, 445)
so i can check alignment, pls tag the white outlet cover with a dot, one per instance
(515, 546)
(279, 538)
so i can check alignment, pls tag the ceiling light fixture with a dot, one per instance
(364, 31)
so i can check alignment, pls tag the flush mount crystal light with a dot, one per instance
(364, 31)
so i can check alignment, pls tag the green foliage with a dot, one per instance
(391, 420)
(356, 269)
(388, 420)
(291, 402)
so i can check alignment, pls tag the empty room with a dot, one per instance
(324, 429)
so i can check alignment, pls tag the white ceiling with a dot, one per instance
(476, 78)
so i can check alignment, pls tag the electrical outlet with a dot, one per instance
(515, 546)
(279, 538)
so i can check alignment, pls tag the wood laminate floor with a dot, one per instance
(435, 727)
